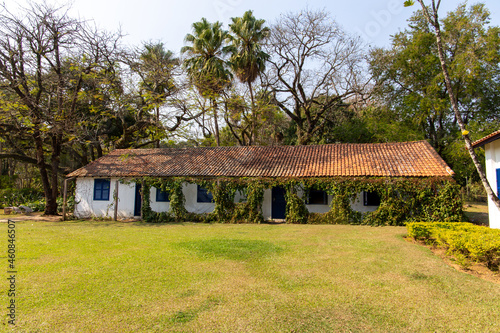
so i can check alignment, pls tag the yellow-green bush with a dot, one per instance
(476, 243)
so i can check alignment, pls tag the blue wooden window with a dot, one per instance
(498, 182)
(317, 197)
(101, 189)
(203, 195)
(162, 196)
(371, 199)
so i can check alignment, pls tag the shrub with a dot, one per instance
(16, 197)
(37, 205)
(462, 240)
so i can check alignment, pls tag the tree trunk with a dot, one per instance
(51, 208)
(253, 135)
(92, 156)
(216, 122)
(85, 154)
(157, 143)
(99, 149)
(49, 201)
(434, 21)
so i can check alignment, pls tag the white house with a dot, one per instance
(491, 145)
(97, 182)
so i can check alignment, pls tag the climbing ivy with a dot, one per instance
(296, 210)
(223, 192)
(177, 199)
(402, 200)
(250, 210)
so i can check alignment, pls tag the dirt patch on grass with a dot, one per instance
(38, 216)
(477, 269)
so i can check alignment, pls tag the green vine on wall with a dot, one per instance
(223, 192)
(402, 200)
(296, 210)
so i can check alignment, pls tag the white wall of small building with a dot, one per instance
(356, 204)
(492, 156)
(86, 206)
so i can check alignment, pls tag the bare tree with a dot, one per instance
(315, 68)
(432, 17)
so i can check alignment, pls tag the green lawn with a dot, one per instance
(477, 212)
(133, 277)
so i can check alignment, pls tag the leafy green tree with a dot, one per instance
(45, 57)
(267, 123)
(384, 125)
(155, 67)
(410, 78)
(248, 60)
(432, 18)
(205, 62)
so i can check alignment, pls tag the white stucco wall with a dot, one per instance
(492, 155)
(190, 193)
(267, 205)
(357, 205)
(156, 206)
(88, 207)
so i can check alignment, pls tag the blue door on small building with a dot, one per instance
(498, 182)
(138, 200)
(278, 206)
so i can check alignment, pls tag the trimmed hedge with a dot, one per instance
(465, 241)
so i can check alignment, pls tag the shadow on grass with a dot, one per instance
(190, 314)
(478, 218)
(477, 213)
(233, 249)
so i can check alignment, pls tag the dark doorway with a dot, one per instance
(278, 207)
(138, 200)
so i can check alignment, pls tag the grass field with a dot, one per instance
(477, 212)
(133, 277)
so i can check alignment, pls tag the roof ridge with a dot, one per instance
(397, 159)
(274, 146)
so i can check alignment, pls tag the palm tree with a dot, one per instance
(248, 60)
(205, 64)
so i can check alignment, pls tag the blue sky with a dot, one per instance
(169, 21)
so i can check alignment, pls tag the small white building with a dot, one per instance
(97, 182)
(491, 145)
(93, 201)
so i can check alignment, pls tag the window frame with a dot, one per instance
(498, 182)
(203, 195)
(159, 193)
(100, 190)
(368, 198)
(318, 192)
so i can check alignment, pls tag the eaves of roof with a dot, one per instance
(401, 159)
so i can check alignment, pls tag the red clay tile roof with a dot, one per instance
(403, 159)
(487, 139)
